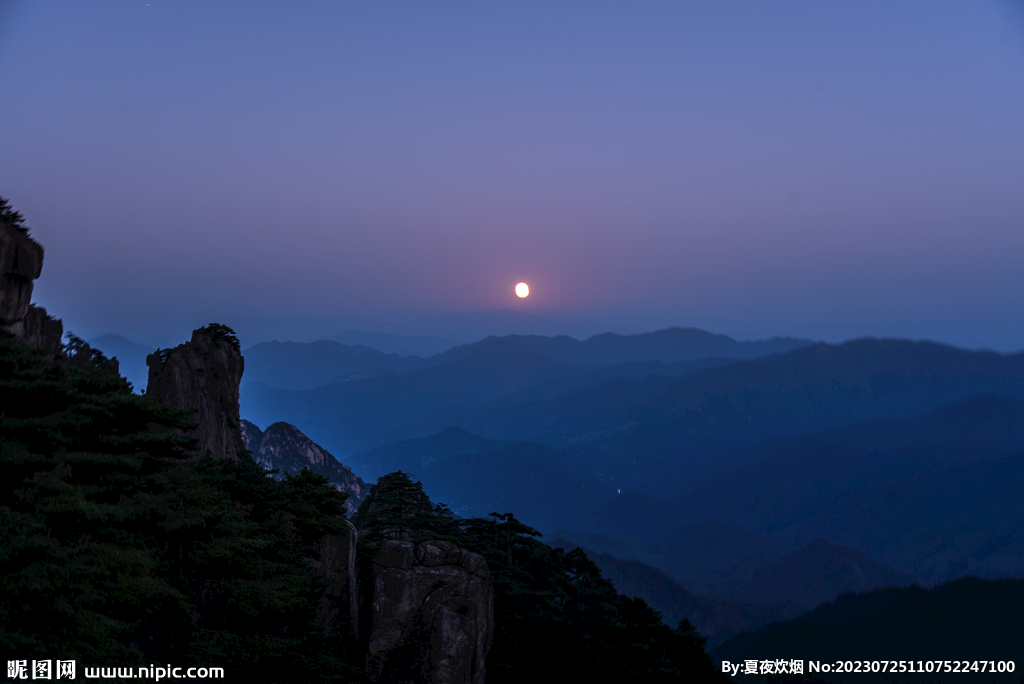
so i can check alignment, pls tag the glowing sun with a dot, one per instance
(522, 290)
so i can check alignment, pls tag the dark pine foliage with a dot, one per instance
(117, 550)
(11, 217)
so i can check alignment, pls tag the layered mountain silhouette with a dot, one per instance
(762, 589)
(716, 619)
(403, 345)
(751, 481)
(349, 385)
(305, 365)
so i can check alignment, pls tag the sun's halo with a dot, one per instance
(522, 290)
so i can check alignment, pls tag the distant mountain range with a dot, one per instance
(476, 325)
(399, 397)
(906, 452)
(668, 346)
(656, 434)
(403, 345)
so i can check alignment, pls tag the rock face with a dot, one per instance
(40, 330)
(203, 374)
(338, 612)
(432, 616)
(284, 447)
(21, 262)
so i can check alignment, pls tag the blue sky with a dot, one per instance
(828, 170)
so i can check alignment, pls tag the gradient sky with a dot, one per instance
(828, 170)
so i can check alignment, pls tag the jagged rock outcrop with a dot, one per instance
(21, 262)
(284, 447)
(338, 612)
(40, 330)
(432, 616)
(203, 374)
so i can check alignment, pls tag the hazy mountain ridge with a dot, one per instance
(779, 482)
(670, 345)
(423, 346)
(416, 403)
(305, 365)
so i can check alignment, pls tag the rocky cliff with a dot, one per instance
(203, 374)
(432, 614)
(21, 262)
(284, 447)
(338, 612)
(428, 604)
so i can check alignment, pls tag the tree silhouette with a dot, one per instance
(12, 218)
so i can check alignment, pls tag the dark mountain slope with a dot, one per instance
(814, 574)
(783, 482)
(969, 619)
(965, 518)
(705, 557)
(628, 515)
(716, 619)
(524, 477)
(658, 434)
(418, 455)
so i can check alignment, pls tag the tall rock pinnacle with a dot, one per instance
(21, 262)
(203, 374)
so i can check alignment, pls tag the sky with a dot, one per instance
(823, 170)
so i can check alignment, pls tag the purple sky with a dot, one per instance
(827, 170)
